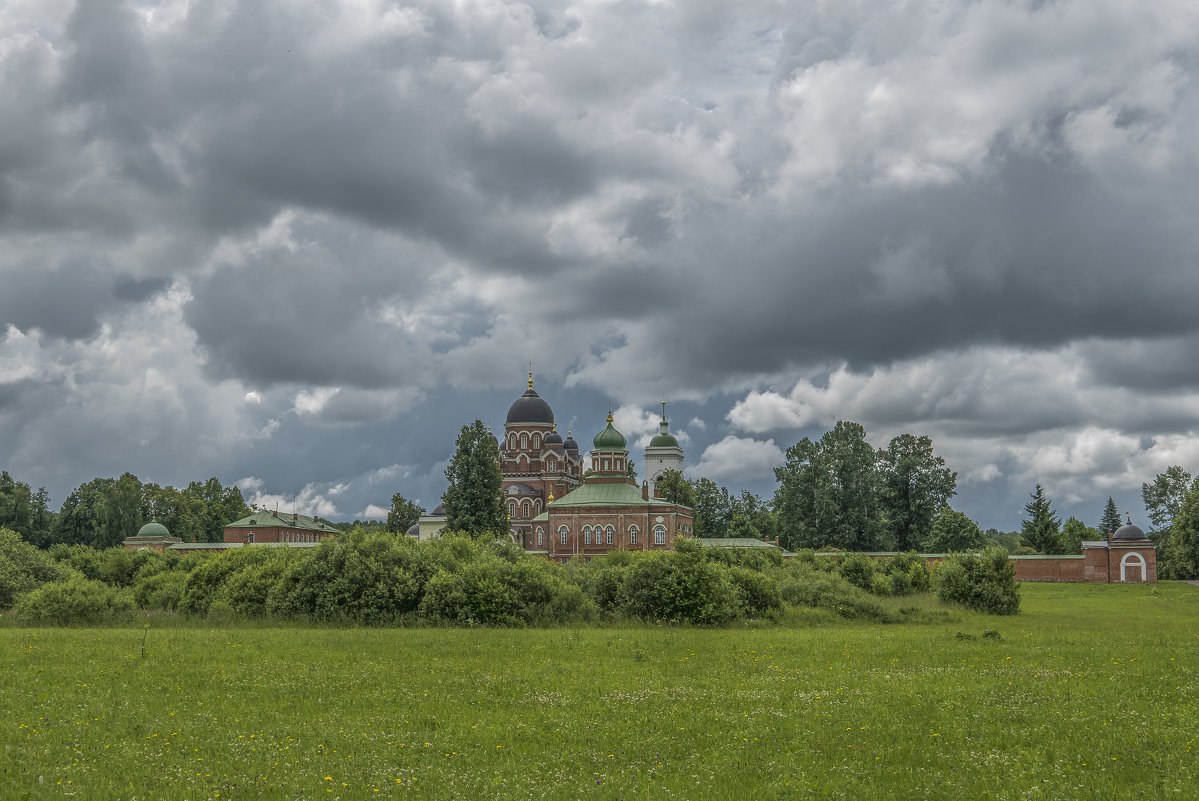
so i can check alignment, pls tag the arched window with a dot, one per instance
(511, 509)
(528, 509)
(659, 535)
(609, 533)
(536, 507)
(563, 531)
(551, 465)
(633, 535)
(586, 535)
(540, 537)
(524, 441)
(536, 441)
(511, 442)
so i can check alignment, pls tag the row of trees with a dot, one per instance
(719, 513)
(840, 491)
(836, 492)
(104, 511)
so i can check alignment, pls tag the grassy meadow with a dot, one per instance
(1092, 692)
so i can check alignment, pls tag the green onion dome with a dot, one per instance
(609, 439)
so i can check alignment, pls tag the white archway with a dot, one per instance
(1136, 560)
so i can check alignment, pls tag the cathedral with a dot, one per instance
(536, 463)
(558, 510)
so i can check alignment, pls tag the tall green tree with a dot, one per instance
(712, 507)
(119, 513)
(216, 505)
(953, 532)
(1181, 554)
(1042, 530)
(828, 492)
(78, 520)
(1164, 496)
(473, 499)
(676, 489)
(402, 514)
(1111, 518)
(1074, 531)
(915, 485)
(751, 517)
(179, 512)
(22, 510)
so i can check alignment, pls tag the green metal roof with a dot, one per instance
(664, 441)
(264, 519)
(606, 493)
(153, 529)
(733, 542)
(224, 546)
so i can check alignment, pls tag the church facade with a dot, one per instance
(557, 509)
(537, 465)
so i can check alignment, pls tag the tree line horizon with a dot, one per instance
(835, 492)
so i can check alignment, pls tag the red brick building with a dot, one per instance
(535, 462)
(608, 511)
(1127, 556)
(264, 527)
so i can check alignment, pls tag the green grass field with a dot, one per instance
(1092, 692)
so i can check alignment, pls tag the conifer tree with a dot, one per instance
(1041, 531)
(1111, 518)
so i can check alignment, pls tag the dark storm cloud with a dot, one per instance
(66, 300)
(1038, 257)
(348, 208)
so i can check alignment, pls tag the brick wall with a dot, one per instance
(1051, 568)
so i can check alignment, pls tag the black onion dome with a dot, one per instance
(553, 438)
(1129, 533)
(530, 408)
(570, 443)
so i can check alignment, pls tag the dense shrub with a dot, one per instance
(367, 578)
(494, 591)
(801, 584)
(752, 558)
(23, 567)
(757, 593)
(679, 586)
(118, 567)
(246, 590)
(206, 580)
(75, 600)
(984, 581)
(907, 572)
(857, 569)
(161, 591)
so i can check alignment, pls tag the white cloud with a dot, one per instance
(373, 512)
(311, 500)
(738, 458)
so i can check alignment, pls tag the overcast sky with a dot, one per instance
(298, 244)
